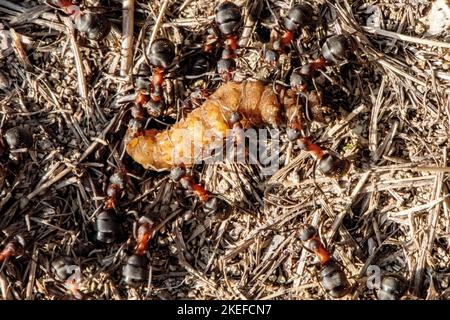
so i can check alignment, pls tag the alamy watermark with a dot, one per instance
(373, 277)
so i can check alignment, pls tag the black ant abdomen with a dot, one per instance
(298, 17)
(337, 49)
(333, 166)
(135, 270)
(107, 227)
(228, 17)
(334, 280)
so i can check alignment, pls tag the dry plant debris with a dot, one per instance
(66, 98)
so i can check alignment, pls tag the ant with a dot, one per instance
(178, 174)
(115, 189)
(298, 17)
(95, 26)
(330, 164)
(145, 232)
(161, 56)
(333, 278)
(227, 22)
(15, 141)
(107, 223)
(135, 268)
(336, 50)
(187, 182)
(15, 247)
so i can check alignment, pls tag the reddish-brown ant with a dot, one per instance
(296, 18)
(336, 49)
(95, 26)
(145, 232)
(333, 278)
(161, 56)
(329, 164)
(227, 22)
(178, 174)
(134, 271)
(114, 189)
(107, 224)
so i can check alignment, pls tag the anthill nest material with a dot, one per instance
(390, 116)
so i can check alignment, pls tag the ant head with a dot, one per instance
(292, 134)
(177, 173)
(226, 67)
(271, 56)
(162, 53)
(298, 81)
(154, 108)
